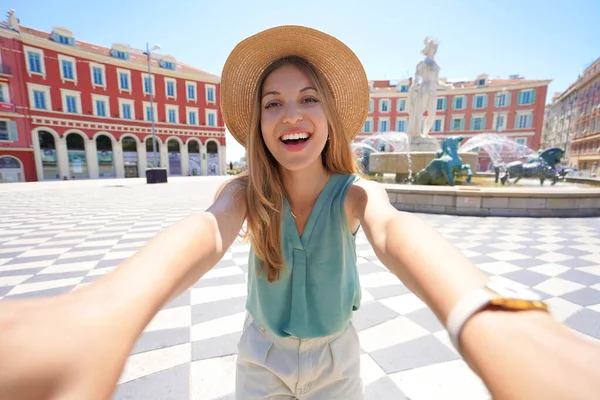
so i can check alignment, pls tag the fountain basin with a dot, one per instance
(502, 202)
(398, 163)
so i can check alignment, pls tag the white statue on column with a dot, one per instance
(422, 95)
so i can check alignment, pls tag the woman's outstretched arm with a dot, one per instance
(518, 355)
(74, 346)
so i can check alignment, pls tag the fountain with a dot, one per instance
(420, 148)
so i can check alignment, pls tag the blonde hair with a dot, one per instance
(263, 186)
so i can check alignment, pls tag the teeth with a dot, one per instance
(295, 136)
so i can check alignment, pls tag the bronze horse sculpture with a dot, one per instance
(541, 166)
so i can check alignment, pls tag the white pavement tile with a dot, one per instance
(221, 272)
(26, 241)
(595, 258)
(100, 271)
(378, 279)
(37, 286)
(117, 255)
(143, 364)
(389, 333)
(452, 380)
(212, 378)
(215, 293)
(550, 247)
(77, 254)
(507, 246)
(365, 296)
(13, 280)
(49, 251)
(592, 270)
(557, 286)
(370, 371)
(549, 269)
(218, 327)
(28, 265)
(562, 309)
(79, 266)
(498, 267)
(98, 243)
(507, 256)
(553, 257)
(404, 304)
(8, 250)
(178, 317)
(467, 245)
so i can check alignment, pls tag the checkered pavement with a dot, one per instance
(57, 236)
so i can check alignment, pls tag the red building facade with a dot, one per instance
(511, 107)
(75, 110)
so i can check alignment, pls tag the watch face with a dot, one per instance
(513, 291)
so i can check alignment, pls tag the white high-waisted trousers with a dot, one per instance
(276, 368)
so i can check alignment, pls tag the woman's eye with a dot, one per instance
(271, 104)
(310, 100)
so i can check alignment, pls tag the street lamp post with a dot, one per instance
(148, 52)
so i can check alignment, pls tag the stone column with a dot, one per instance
(142, 162)
(164, 156)
(91, 158)
(203, 160)
(37, 154)
(222, 160)
(62, 157)
(119, 163)
(185, 161)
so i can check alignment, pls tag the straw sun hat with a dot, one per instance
(340, 67)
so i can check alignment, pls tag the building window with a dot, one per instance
(500, 122)
(480, 101)
(459, 103)
(3, 93)
(477, 123)
(441, 104)
(67, 70)
(63, 39)
(8, 131)
(458, 124)
(403, 88)
(501, 99)
(168, 65)
(383, 125)
(437, 126)
(100, 108)
(211, 118)
(170, 89)
(126, 111)
(526, 97)
(124, 81)
(523, 121)
(149, 116)
(71, 102)
(147, 87)
(384, 105)
(191, 91)
(172, 116)
(35, 62)
(192, 118)
(371, 105)
(481, 82)
(401, 105)
(210, 93)
(39, 99)
(401, 125)
(98, 75)
(123, 55)
(367, 126)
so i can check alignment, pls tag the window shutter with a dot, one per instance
(507, 99)
(532, 98)
(13, 135)
(485, 101)
(483, 120)
(497, 100)
(520, 98)
(71, 41)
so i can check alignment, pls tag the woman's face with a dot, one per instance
(293, 121)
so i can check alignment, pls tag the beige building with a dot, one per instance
(559, 121)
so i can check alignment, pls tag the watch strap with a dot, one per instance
(470, 304)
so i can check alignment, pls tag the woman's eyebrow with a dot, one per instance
(274, 92)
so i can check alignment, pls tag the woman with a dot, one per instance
(295, 97)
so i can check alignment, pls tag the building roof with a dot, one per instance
(382, 86)
(135, 55)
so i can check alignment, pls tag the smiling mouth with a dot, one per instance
(294, 138)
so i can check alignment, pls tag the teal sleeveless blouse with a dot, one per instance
(319, 287)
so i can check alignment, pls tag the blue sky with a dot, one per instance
(552, 39)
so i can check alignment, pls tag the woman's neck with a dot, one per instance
(303, 187)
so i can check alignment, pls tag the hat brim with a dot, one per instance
(339, 66)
